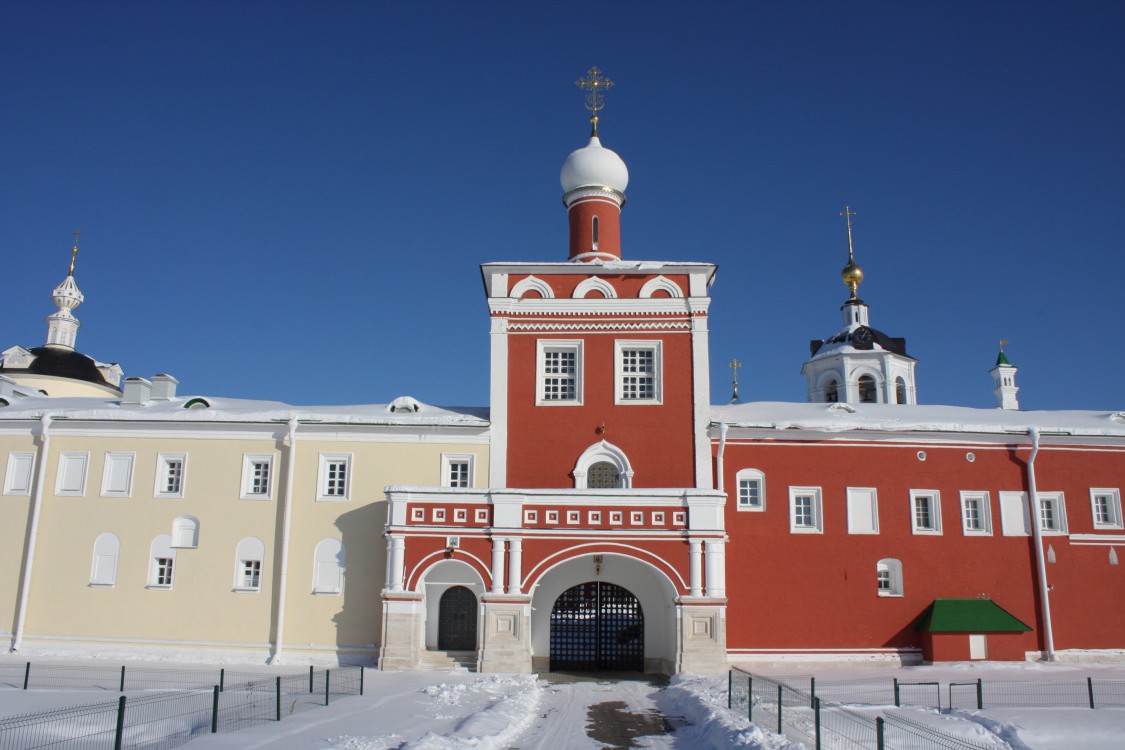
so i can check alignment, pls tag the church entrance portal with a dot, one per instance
(597, 626)
(457, 620)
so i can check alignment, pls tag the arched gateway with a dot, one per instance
(597, 626)
(457, 620)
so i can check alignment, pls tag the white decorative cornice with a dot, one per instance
(661, 283)
(532, 283)
(623, 326)
(594, 284)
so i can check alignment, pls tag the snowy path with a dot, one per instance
(597, 715)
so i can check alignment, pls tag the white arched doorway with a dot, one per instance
(438, 581)
(653, 591)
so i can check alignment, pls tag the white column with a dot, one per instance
(497, 565)
(716, 568)
(390, 563)
(398, 557)
(696, 567)
(515, 564)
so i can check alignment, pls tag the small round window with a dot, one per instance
(921, 455)
(970, 457)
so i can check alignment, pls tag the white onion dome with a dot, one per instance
(66, 295)
(594, 166)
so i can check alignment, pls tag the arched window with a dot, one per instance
(185, 532)
(867, 392)
(248, 564)
(888, 572)
(594, 232)
(831, 394)
(603, 452)
(603, 475)
(161, 562)
(900, 390)
(328, 567)
(751, 489)
(103, 572)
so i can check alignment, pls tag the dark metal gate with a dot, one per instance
(597, 626)
(457, 620)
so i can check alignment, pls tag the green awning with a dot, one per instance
(968, 616)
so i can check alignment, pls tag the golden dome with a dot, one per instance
(852, 275)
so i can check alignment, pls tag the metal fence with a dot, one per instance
(802, 715)
(170, 717)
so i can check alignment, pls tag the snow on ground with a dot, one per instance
(458, 709)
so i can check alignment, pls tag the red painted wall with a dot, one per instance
(544, 442)
(819, 590)
(581, 216)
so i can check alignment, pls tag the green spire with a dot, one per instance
(1002, 359)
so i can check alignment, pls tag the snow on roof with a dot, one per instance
(609, 265)
(774, 415)
(211, 409)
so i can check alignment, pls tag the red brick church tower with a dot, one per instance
(601, 542)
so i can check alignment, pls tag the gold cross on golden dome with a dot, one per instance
(734, 365)
(74, 251)
(594, 83)
(852, 273)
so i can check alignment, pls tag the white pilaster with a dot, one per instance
(696, 552)
(398, 557)
(515, 564)
(716, 568)
(498, 565)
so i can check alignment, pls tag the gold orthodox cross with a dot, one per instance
(734, 365)
(594, 83)
(847, 213)
(74, 251)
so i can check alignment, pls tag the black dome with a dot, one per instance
(61, 363)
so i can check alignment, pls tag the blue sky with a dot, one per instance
(290, 201)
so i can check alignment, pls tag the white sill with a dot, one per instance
(889, 595)
(805, 530)
(978, 532)
(257, 497)
(751, 508)
(102, 585)
(246, 590)
(162, 496)
(927, 532)
(159, 586)
(332, 499)
(327, 593)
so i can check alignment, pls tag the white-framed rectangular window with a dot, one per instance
(334, 478)
(250, 578)
(976, 514)
(1052, 513)
(257, 476)
(17, 480)
(456, 470)
(1015, 516)
(638, 372)
(925, 511)
(888, 575)
(71, 480)
(805, 510)
(863, 510)
(171, 471)
(117, 475)
(751, 489)
(558, 372)
(1106, 507)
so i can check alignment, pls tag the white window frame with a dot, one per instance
(323, 478)
(816, 508)
(67, 458)
(542, 347)
(449, 460)
(1015, 522)
(107, 547)
(164, 463)
(118, 459)
(893, 569)
(340, 562)
(656, 346)
(985, 506)
(161, 549)
(750, 475)
(531, 516)
(183, 524)
(249, 461)
(18, 477)
(934, 529)
(1058, 501)
(1113, 503)
(249, 550)
(867, 498)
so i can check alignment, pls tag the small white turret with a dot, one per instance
(1004, 381)
(62, 326)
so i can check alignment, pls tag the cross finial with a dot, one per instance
(74, 251)
(734, 365)
(852, 274)
(594, 83)
(847, 213)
